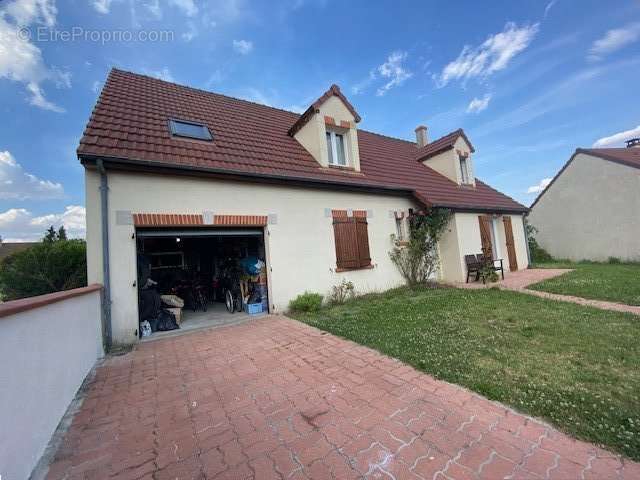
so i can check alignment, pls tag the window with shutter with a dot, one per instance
(352, 240)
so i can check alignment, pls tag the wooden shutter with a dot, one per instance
(346, 242)
(362, 232)
(485, 235)
(511, 247)
(352, 240)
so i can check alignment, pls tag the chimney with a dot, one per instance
(421, 136)
(633, 143)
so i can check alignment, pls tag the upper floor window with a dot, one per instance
(336, 148)
(182, 128)
(464, 170)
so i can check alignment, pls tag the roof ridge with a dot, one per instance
(386, 136)
(202, 90)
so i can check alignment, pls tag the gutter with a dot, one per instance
(106, 279)
(290, 180)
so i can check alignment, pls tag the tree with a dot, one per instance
(50, 235)
(419, 260)
(50, 266)
(62, 233)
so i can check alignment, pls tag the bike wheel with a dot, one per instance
(229, 301)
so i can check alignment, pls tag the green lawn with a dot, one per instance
(600, 281)
(577, 367)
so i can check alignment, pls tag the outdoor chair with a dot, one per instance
(474, 264)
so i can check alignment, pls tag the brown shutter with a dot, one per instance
(511, 248)
(346, 242)
(485, 235)
(362, 232)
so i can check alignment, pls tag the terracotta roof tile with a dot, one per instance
(130, 121)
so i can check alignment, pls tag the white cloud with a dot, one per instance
(162, 74)
(102, 6)
(617, 139)
(96, 86)
(20, 60)
(243, 47)
(479, 104)
(37, 99)
(16, 184)
(614, 40)
(491, 56)
(188, 7)
(394, 71)
(361, 86)
(154, 8)
(191, 33)
(20, 225)
(549, 7)
(539, 187)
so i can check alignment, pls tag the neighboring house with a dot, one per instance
(589, 211)
(318, 198)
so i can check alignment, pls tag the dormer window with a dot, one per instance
(464, 170)
(336, 147)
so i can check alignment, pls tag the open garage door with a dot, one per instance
(203, 276)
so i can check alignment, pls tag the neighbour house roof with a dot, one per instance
(129, 125)
(629, 156)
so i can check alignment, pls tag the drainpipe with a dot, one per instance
(106, 280)
(526, 238)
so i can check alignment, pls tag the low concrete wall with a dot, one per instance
(48, 344)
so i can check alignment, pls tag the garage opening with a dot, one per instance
(194, 278)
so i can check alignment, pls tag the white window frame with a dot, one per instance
(334, 148)
(494, 239)
(464, 169)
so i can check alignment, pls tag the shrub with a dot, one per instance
(306, 302)
(538, 254)
(340, 293)
(614, 260)
(50, 266)
(419, 260)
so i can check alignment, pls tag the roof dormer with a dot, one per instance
(449, 155)
(327, 130)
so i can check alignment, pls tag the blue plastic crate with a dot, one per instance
(253, 308)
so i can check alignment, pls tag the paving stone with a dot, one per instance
(274, 398)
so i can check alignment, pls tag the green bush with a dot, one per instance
(50, 266)
(614, 261)
(342, 292)
(306, 302)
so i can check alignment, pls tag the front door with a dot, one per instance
(511, 248)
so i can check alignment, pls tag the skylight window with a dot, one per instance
(181, 128)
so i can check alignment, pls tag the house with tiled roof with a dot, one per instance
(179, 178)
(589, 210)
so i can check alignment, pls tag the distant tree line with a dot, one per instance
(56, 263)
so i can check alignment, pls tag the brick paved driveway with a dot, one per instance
(275, 399)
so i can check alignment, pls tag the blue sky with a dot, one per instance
(529, 81)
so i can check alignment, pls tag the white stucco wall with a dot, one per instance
(312, 136)
(590, 211)
(464, 229)
(45, 355)
(301, 244)
(447, 163)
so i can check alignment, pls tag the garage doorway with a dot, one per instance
(202, 277)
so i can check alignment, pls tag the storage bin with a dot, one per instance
(253, 308)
